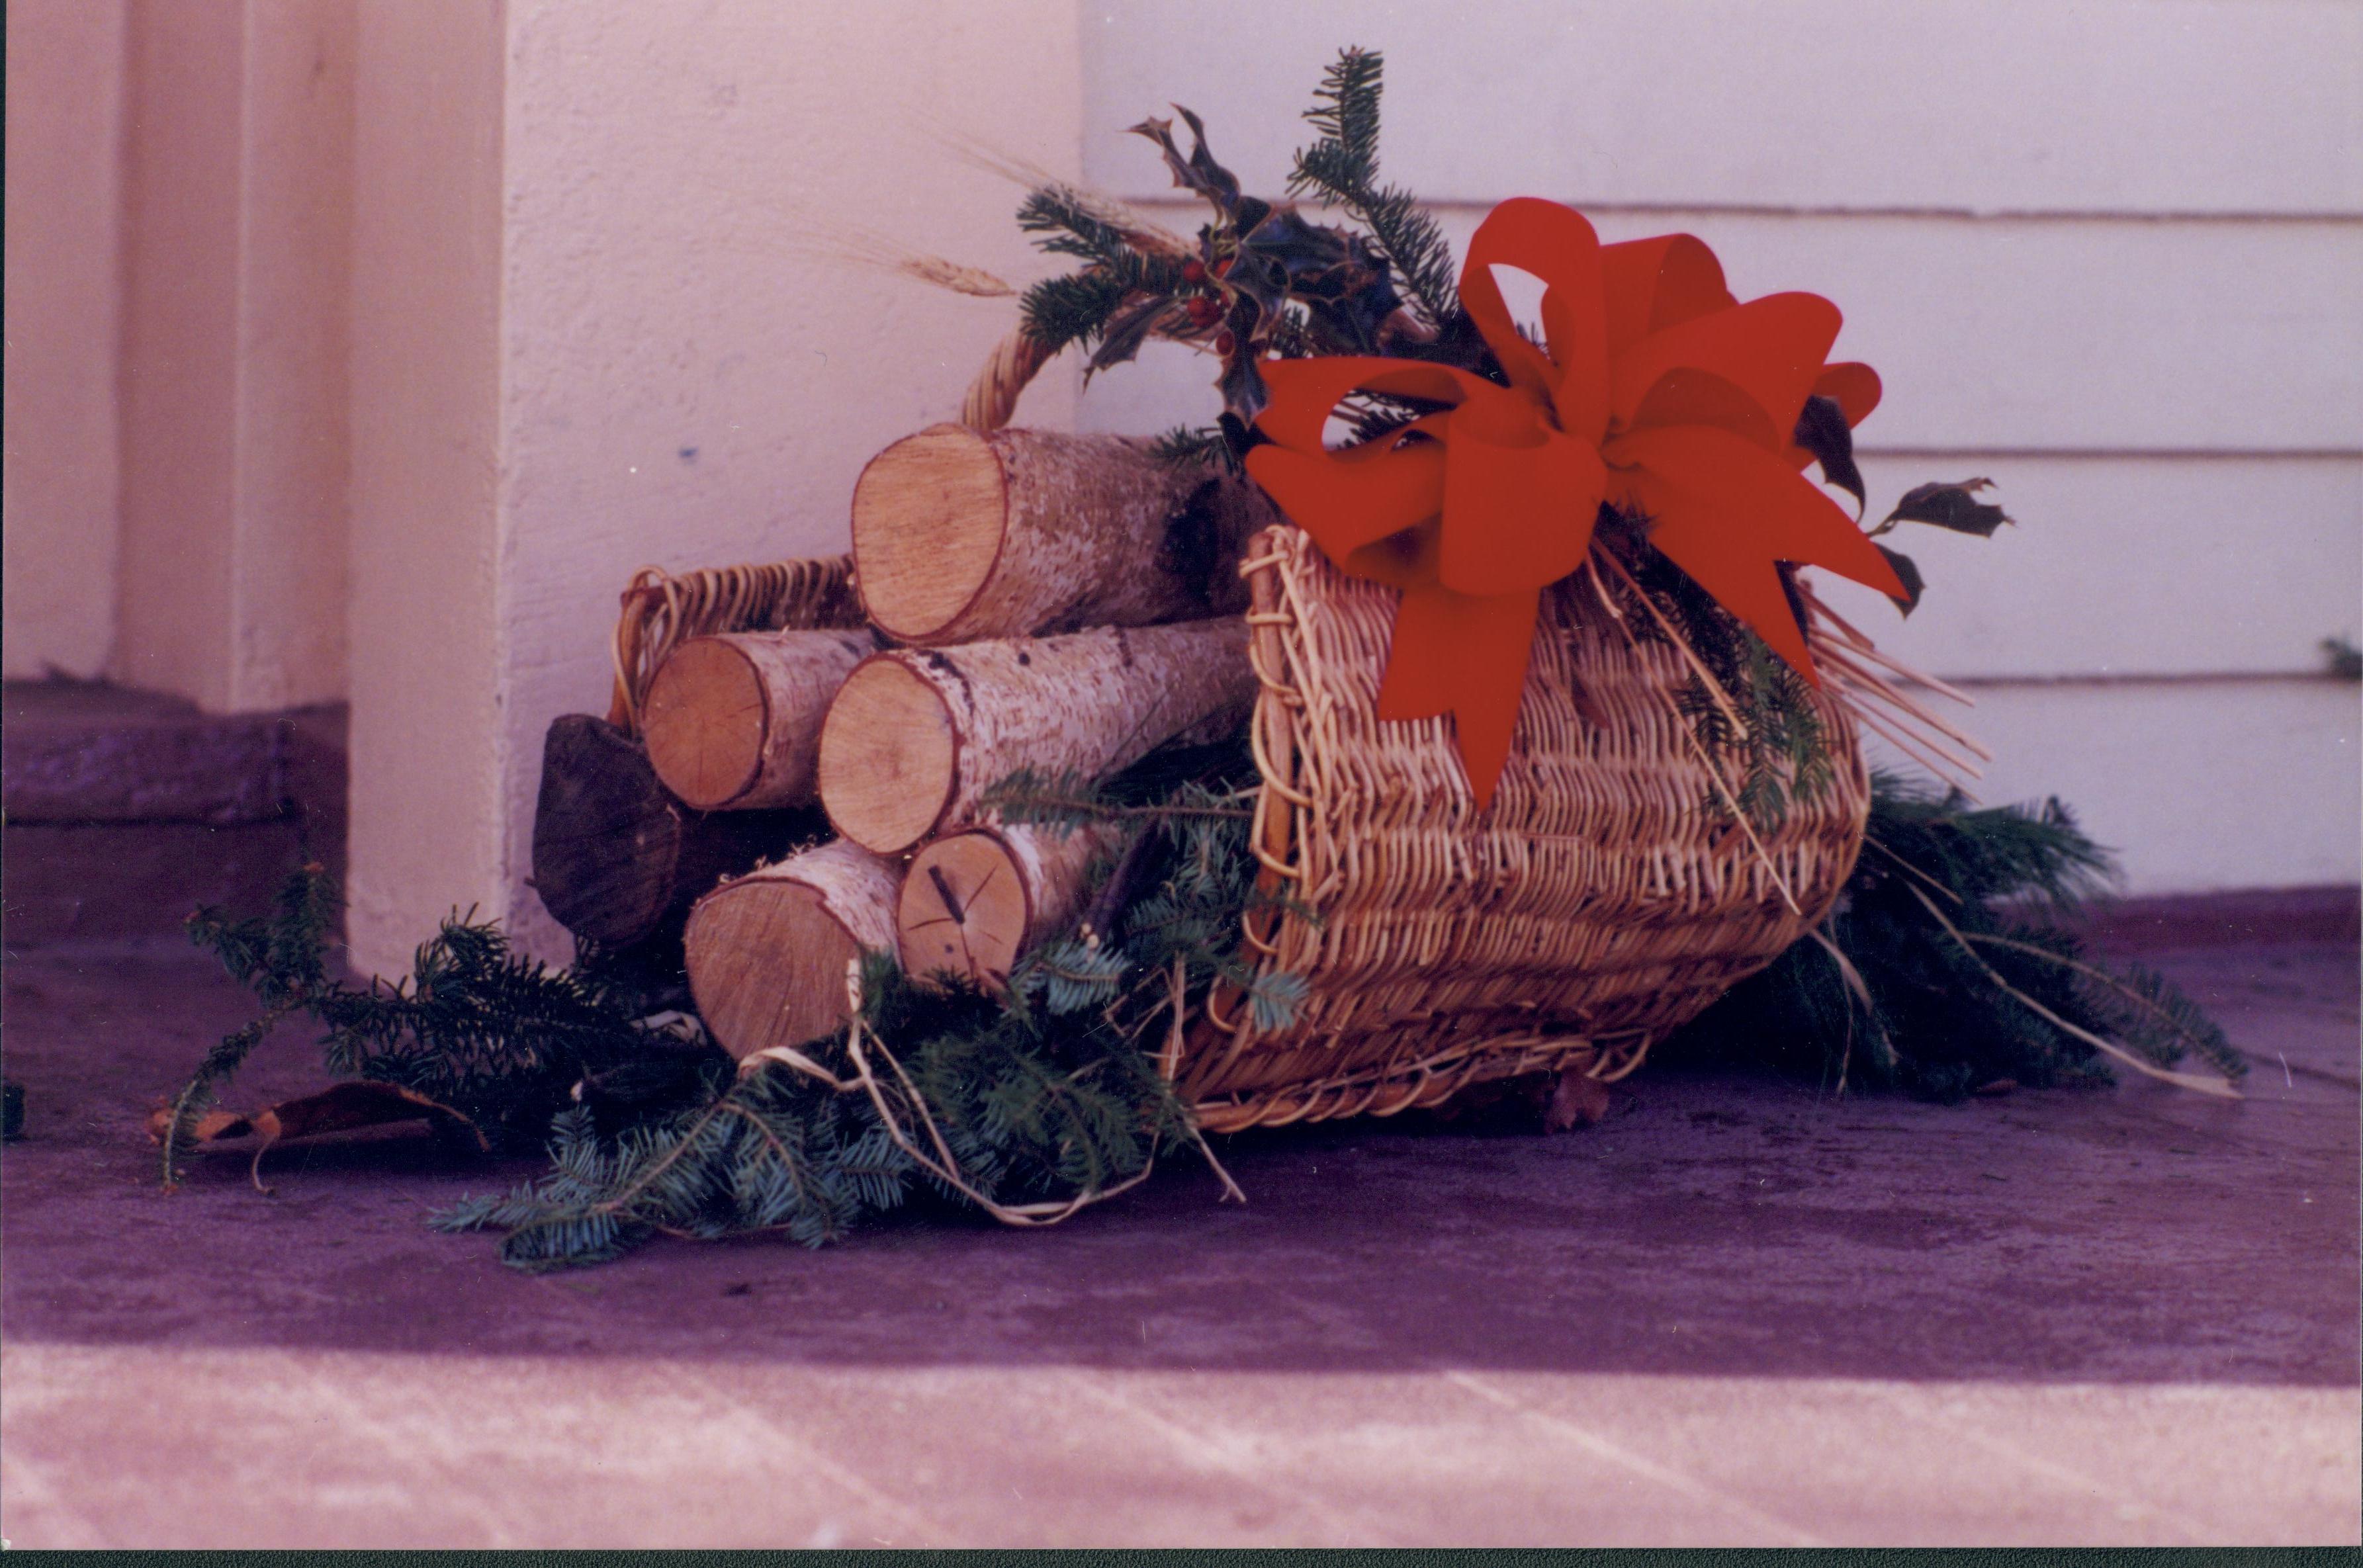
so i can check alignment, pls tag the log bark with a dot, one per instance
(961, 536)
(767, 953)
(616, 859)
(732, 722)
(974, 903)
(916, 736)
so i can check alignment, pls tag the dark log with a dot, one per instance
(616, 859)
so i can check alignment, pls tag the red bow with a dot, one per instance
(1659, 393)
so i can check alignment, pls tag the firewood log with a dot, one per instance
(916, 736)
(973, 902)
(767, 953)
(960, 535)
(616, 859)
(733, 721)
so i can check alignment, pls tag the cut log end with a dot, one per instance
(703, 722)
(767, 953)
(767, 965)
(928, 516)
(965, 910)
(889, 757)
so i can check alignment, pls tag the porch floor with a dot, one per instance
(1733, 1312)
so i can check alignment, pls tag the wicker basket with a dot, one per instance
(1594, 906)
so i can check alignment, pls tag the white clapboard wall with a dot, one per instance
(2109, 254)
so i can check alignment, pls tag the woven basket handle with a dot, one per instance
(992, 398)
(661, 611)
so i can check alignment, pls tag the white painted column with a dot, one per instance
(603, 318)
(426, 378)
(58, 476)
(236, 234)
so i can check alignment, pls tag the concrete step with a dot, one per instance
(125, 810)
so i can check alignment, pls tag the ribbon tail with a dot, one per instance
(1693, 537)
(1468, 657)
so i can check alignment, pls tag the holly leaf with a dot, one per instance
(1822, 430)
(1953, 506)
(1198, 173)
(1128, 329)
(1908, 573)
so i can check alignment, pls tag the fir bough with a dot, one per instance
(1047, 1091)
(503, 1039)
(1945, 968)
(1342, 169)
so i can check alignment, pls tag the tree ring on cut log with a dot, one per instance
(704, 721)
(906, 552)
(889, 757)
(965, 909)
(789, 987)
(767, 953)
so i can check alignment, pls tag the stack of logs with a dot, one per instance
(1062, 605)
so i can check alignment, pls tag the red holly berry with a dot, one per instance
(1205, 312)
(1194, 272)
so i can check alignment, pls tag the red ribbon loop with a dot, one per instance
(1653, 389)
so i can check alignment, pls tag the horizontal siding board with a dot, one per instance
(2198, 786)
(2106, 106)
(2010, 335)
(2129, 567)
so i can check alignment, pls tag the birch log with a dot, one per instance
(767, 953)
(916, 736)
(616, 859)
(733, 721)
(960, 535)
(974, 903)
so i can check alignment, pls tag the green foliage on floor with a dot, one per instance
(1031, 1102)
(1945, 968)
(1042, 1093)
(503, 1039)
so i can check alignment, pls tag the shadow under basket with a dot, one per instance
(1598, 902)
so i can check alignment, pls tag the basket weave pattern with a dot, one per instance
(1597, 904)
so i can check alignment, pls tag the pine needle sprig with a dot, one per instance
(1042, 1091)
(1944, 970)
(503, 1039)
(1192, 446)
(1070, 225)
(1342, 169)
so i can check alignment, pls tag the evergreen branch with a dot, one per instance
(1070, 224)
(1082, 307)
(2215, 1086)
(1923, 981)
(1346, 111)
(1342, 169)
(1028, 1103)
(1187, 446)
(2170, 1022)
